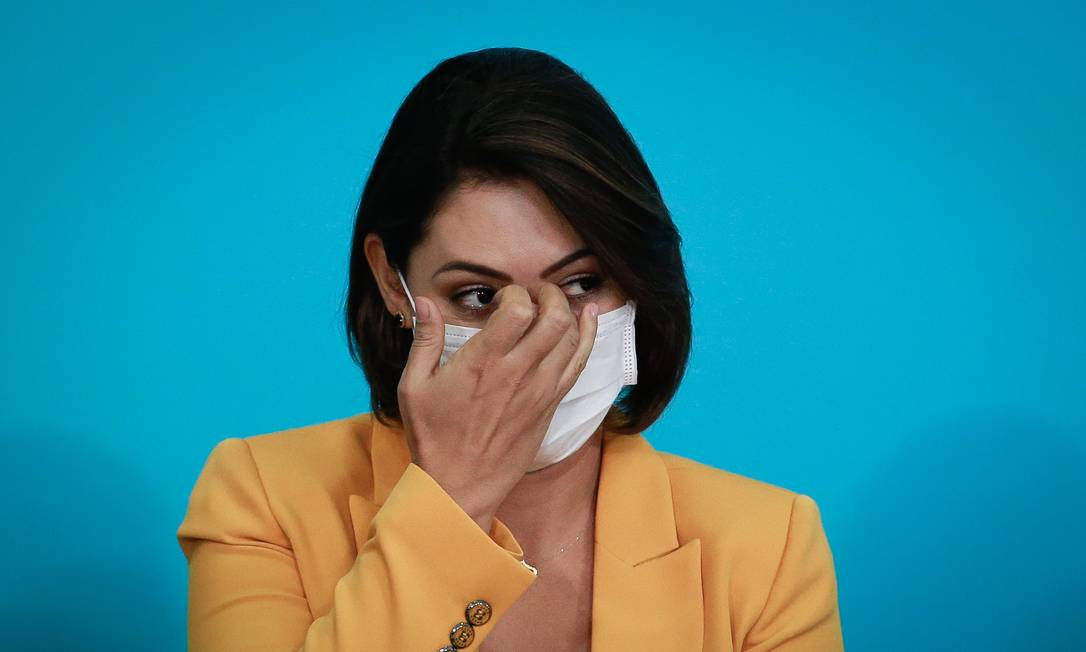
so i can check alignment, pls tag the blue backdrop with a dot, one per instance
(883, 212)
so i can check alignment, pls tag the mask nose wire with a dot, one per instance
(409, 298)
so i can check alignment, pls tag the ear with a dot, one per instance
(388, 282)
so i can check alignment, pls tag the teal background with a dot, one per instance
(882, 206)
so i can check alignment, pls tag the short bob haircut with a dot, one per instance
(502, 114)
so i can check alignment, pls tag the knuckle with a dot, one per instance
(423, 337)
(406, 391)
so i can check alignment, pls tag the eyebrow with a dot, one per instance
(490, 271)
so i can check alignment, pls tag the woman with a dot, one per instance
(500, 496)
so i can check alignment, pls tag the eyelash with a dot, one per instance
(593, 281)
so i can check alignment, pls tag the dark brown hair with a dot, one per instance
(513, 113)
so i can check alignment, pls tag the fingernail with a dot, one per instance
(593, 310)
(423, 308)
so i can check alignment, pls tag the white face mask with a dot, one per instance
(611, 366)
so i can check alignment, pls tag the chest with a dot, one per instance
(555, 612)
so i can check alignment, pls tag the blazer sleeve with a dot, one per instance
(409, 585)
(801, 613)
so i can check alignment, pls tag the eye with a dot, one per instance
(582, 285)
(476, 298)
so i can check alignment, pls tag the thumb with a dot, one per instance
(428, 342)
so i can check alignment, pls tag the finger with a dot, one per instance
(428, 342)
(506, 324)
(587, 324)
(553, 333)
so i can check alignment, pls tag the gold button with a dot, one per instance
(447, 648)
(462, 635)
(478, 612)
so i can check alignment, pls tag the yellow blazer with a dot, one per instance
(328, 538)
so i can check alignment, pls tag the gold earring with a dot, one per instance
(399, 319)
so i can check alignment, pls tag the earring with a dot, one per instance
(399, 319)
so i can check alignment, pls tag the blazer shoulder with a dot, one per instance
(726, 509)
(700, 480)
(331, 457)
(316, 437)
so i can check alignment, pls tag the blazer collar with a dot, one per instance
(647, 589)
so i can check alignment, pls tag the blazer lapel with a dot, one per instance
(647, 590)
(646, 587)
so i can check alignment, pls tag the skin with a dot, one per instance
(474, 424)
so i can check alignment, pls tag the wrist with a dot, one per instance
(479, 508)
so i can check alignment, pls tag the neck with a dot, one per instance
(548, 504)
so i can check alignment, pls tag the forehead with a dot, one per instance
(509, 225)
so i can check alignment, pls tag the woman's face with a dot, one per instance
(484, 237)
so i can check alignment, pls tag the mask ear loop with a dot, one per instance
(409, 298)
(629, 346)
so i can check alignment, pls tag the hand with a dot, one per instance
(475, 423)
